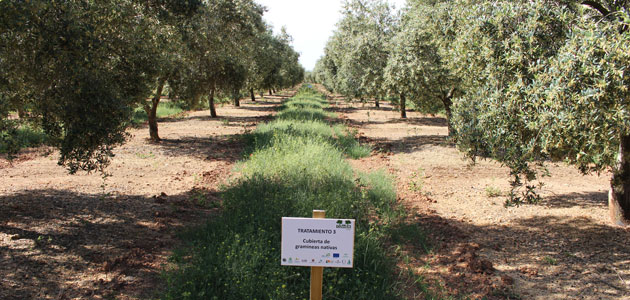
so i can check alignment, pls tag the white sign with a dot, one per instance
(317, 242)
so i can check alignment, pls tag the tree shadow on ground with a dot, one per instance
(419, 121)
(279, 96)
(234, 121)
(422, 121)
(366, 108)
(408, 144)
(587, 199)
(261, 105)
(547, 257)
(65, 245)
(222, 148)
(337, 109)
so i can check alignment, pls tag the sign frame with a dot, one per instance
(317, 242)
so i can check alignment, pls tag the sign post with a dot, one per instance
(317, 273)
(317, 243)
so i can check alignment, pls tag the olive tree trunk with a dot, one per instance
(619, 195)
(251, 93)
(376, 103)
(448, 102)
(213, 111)
(196, 100)
(21, 112)
(403, 104)
(237, 99)
(152, 112)
(270, 92)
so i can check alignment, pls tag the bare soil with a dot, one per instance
(82, 237)
(562, 248)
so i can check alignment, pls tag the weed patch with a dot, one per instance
(492, 192)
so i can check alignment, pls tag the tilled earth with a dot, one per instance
(87, 237)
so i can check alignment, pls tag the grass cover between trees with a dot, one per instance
(167, 109)
(295, 164)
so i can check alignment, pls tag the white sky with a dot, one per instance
(309, 22)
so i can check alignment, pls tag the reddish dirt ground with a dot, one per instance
(561, 248)
(79, 237)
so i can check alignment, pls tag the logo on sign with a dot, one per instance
(347, 225)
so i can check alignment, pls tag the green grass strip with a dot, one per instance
(295, 164)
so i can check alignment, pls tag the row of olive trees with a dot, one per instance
(523, 82)
(357, 53)
(376, 53)
(78, 68)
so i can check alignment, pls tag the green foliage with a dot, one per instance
(295, 167)
(25, 136)
(550, 260)
(522, 82)
(356, 55)
(280, 67)
(584, 93)
(80, 67)
(416, 67)
(215, 51)
(499, 53)
(543, 82)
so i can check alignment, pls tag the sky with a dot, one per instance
(309, 22)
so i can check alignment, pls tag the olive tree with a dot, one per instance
(283, 68)
(166, 43)
(547, 81)
(416, 67)
(212, 49)
(291, 72)
(326, 70)
(80, 66)
(357, 52)
(261, 63)
(582, 100)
